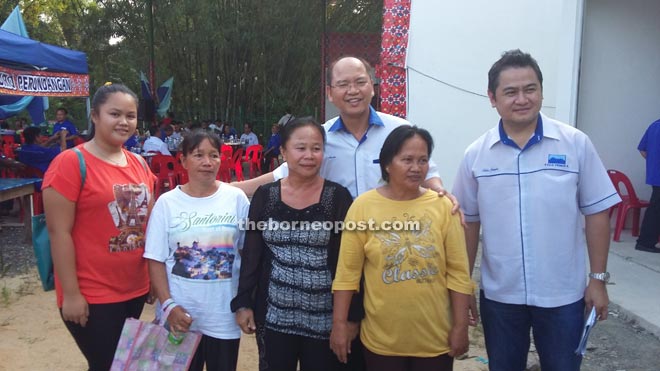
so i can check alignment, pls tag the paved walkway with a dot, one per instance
(635, 282)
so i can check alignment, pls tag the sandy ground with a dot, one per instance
(32, 336)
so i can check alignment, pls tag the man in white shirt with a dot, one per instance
(154, 143)
(288, 117)
(527, 183)
(248, 138)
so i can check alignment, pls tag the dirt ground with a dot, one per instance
(32, 337)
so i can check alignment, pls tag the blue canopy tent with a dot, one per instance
(29, 68)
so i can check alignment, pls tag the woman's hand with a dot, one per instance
(75, 309)
(340, 340)
(179, 320)
(245, 320)
(458, 340)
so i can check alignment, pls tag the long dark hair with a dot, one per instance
(101, 96)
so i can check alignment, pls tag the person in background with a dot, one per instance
(416, 281)
(529, 182)
(649, 148)
(284, 288)
(272, 150)
(5, 128)
(248, 138)
(172, 138)
(286, 118)
(228, 132)
(63, 123)
(133, 142)
(193, 251)
(36, 155)
(154, 144)
(97, 228)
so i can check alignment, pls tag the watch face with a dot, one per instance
(605, 277)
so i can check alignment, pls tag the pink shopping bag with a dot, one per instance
(144, 346)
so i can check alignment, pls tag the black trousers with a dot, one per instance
(98, 339)
(650, 231)
(282, 352)
(217, 354)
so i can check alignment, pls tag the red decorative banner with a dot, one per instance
(43, 83)
(394, 45)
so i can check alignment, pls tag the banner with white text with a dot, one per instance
(43, 83)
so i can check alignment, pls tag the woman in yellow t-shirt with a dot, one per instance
(411, 251)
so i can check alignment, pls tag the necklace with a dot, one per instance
(102, 154)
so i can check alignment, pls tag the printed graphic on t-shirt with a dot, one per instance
(129, 213)
(409, 255)
(205, 245)
(203, 262)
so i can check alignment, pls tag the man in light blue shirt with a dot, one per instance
(352, 149)
(354, 139)
(527, 183)
(248, 138)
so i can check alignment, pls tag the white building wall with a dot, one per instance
(620, 81)
(452, 45)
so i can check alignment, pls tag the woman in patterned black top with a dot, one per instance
(289, 258)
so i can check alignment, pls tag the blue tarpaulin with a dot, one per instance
(21, 52)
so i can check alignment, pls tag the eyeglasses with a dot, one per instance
(345, 85)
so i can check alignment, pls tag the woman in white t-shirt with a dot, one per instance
(193, 241)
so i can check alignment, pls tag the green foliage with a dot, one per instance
(237, 60)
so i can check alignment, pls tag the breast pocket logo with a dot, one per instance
(556, 160)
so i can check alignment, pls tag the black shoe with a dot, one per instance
(641, 247)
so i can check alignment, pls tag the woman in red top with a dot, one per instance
(96, 226)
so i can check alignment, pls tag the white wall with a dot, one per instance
(452, 45)
(619, 93)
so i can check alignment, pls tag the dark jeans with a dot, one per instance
(377, 362)
(217, 354)
(266, 162)
(648, 235)
(556, 332)
(98, 339)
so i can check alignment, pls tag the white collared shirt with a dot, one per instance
(352, 163)
(155, 144)
(531, 204)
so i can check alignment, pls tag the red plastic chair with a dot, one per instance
(629, 202)
(8, 139)
(237, 164)
(180, 172)
(164, 167)
(226, 164)
(254, 157)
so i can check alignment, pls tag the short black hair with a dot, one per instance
(395, 141)
(66, 112)
(287, 131)
(31, 134)
(512, 58)
(193, 139)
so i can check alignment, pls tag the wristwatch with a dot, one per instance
(605, 277)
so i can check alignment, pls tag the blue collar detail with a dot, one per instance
(374, 119)
(536, 138)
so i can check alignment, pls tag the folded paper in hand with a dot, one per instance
(586, 330)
